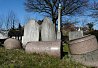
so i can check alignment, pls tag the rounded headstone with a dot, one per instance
(31, 32)
(12, 44)
(48, 30)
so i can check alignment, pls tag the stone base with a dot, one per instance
(89, 59)
(83, 45)
(52, 48)
(58, 35)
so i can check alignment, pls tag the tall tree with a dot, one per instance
(50, 7)
(94, 8)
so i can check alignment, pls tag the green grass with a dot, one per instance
(19, 59)
(65, 47)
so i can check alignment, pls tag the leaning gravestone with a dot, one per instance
(75, 35)
(31, 32)
(48, 30)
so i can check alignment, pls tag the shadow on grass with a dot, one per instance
(63, 53)
(1, 45)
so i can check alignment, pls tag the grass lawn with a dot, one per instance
(19, 59)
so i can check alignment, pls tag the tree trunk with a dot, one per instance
(54, 22)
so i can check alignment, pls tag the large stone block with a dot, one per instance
(52, 48)
(83, 45)
(85, 51)
(12, 44)
(31, 32)
(48, 30)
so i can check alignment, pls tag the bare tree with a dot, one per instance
(2, 21)
(11, 20)
(93, 13)
(94, 9)
(50, 7)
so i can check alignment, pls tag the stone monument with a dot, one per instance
(48, 30)
(85, 51)
(48, 44)
(59, 23)
(31, 32)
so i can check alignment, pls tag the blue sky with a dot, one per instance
(18, 7)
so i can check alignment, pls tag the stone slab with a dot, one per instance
(52, 48)
(75, 35)
(89, 59)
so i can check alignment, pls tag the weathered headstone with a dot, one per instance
(48, 30)
(75, 35)
(31, 32)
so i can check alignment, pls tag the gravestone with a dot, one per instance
(31, 32)
(48, 30)
(75, 35)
